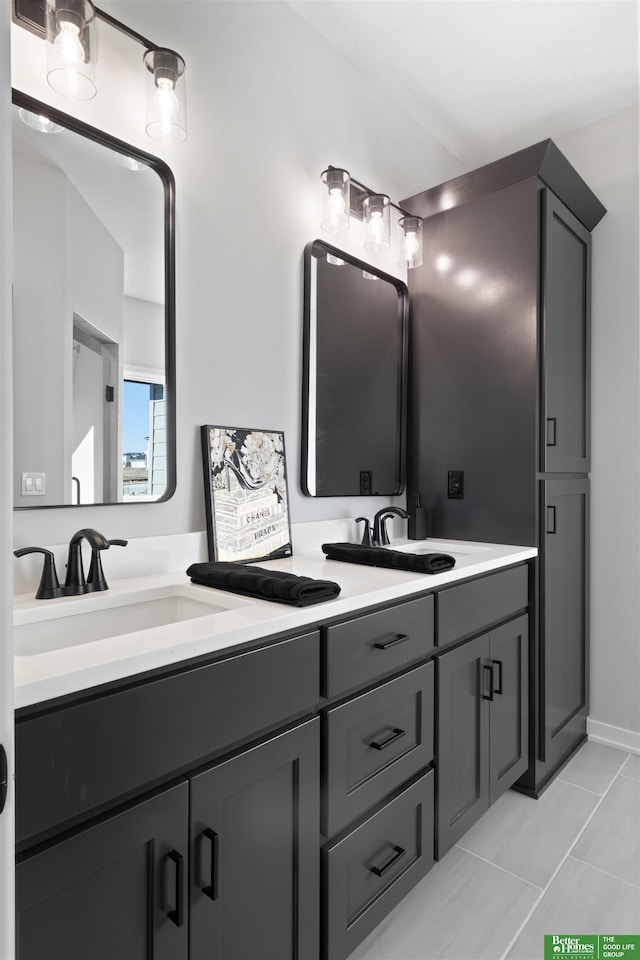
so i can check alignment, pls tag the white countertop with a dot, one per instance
(44, 676)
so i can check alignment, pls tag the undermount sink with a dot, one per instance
(453, 548)
(102, 616)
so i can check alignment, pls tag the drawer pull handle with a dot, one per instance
(398, 852)
(489, 667)
(498, 664)
(177, 916)
(551, 519)
(381, 744)
(385, 644)
(211, 890)
(551, 432)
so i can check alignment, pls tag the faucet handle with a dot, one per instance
(49, 587)
(96, 578)
(366, 535)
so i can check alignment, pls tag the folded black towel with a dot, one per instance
(263, 584)
(382, 557)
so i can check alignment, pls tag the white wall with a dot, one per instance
(606, 155)
(270, 104)
(143, 326)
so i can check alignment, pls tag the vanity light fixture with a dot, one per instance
(335, 200)
(410, 242)
(343, 198)
(71, 48)
(166, 113)
(375, 209)
(38, 122)
(68, 27)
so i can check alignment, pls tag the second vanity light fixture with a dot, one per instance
(68, 26)
(343, 197)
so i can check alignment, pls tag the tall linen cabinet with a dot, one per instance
(500, 322)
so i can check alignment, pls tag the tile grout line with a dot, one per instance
(564, 859)
(498, 867)
(625, 777)
(579, 786)
(630, 883)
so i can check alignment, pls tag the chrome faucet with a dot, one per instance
(380, 535)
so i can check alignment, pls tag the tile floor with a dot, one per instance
(566, 863)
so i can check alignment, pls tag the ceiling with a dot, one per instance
(487, 77)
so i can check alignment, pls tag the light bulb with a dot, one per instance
(168, 107)
(336, 205)
(376, 226)
(68, 44)
(410, 248)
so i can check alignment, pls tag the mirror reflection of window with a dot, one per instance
(144, 440)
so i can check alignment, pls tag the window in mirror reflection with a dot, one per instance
(144, 440)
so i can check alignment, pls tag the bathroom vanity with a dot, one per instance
(273, 786)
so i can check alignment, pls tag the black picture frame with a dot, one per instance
(246, 494)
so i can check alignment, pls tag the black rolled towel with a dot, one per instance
(383, 557)
(263, 584)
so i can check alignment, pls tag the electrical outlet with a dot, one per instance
(365, 482)
(455, 485)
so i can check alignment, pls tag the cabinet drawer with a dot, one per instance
(471, 607)
(374, 743)
(75, 759)
(361, 650)
(369, 871)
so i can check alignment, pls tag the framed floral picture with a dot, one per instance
(246, 495)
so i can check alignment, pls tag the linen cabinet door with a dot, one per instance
(564, 666)
(463, 698)
(509, 714)
(115, 889)
(566, 281)
(255, 852)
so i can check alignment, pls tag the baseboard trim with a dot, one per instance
(612, 736)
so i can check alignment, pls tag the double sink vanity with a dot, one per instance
(201, 774)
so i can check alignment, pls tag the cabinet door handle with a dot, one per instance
(489, 667)
(498, 664)
(385, 644)
(398, 852)
(177, 915)
(4, 777)
(551, 519)
(381, 744)
(211, 890)
(551, 431)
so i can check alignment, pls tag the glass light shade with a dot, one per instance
(71, 48)
(336, 261)
(336, 190)
(38, 122)
(410, 242)
(166, 96)
(129, 163)
(375, 209)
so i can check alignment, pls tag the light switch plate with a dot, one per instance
(34, 484)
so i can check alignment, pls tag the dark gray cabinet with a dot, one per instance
(500, 361)
(564, 572)
(116, 889)
(255, 852)
(482, 724)
(566, 282)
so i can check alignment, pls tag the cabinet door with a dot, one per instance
(255, 852)
(462, 765)
(509, 724)
(565, 330)
(113, 890)
(564, 627)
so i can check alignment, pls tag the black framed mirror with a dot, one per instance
(93, 315)
(354, 377)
